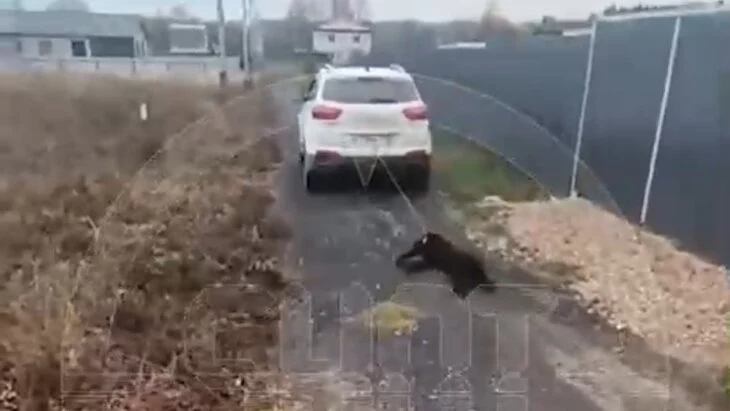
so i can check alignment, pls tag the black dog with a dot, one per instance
(465, 271)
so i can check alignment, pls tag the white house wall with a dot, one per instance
(8, 46)
(188, 38)
(341, 42)
(577, 32)
(60, 47)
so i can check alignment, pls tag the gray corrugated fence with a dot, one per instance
(543, 78)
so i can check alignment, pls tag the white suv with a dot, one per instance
(354, 117)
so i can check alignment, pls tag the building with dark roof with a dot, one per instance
(69, 34)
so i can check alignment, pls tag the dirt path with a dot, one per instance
(509, 351)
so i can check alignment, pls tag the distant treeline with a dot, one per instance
(614, 10)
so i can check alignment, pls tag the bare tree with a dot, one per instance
(297, 10)
(180, 11)
(309, 10)
(493, 24)
(298, 24)
(362, 10)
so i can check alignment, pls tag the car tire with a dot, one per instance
(311, 182)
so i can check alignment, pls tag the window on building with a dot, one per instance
(331, 38)
(78, 48)
(356, 38)
(45, 47)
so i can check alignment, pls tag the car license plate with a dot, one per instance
(379, 139)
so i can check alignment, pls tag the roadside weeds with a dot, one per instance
(138, 271)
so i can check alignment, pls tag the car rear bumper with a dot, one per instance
(411, 162)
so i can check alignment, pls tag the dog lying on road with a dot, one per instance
(464, 271)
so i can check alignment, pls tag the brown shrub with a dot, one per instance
(115, 230)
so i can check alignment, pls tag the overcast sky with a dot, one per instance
(430, 10)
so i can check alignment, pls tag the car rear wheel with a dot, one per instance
(310, 179)
(311, 182)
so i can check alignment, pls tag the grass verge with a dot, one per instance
(138, 261)
(468, 172)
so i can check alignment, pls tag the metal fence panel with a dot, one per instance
(691, 193)
(629, 67)
(543, 78)
(540, 77)
(514, 135)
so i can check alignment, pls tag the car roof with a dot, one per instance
(362, 71)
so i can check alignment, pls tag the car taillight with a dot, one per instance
(416, 113)
(326, 113)
(325, 156)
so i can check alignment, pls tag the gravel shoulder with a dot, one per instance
(666, 308)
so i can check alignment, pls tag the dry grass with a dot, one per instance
(116, 281)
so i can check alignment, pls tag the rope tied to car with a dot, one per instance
(414, 211)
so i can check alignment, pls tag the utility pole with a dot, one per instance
(223, 74)
(245, 43)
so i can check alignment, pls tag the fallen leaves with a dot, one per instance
(636, 280)
(389, 318)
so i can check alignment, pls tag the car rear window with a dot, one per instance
(369, 90)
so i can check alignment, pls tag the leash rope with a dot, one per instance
(414, 211)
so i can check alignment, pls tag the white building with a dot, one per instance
(70, 34)
(577, 32)
(463, 45)
(341, 39)
(188, 38)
